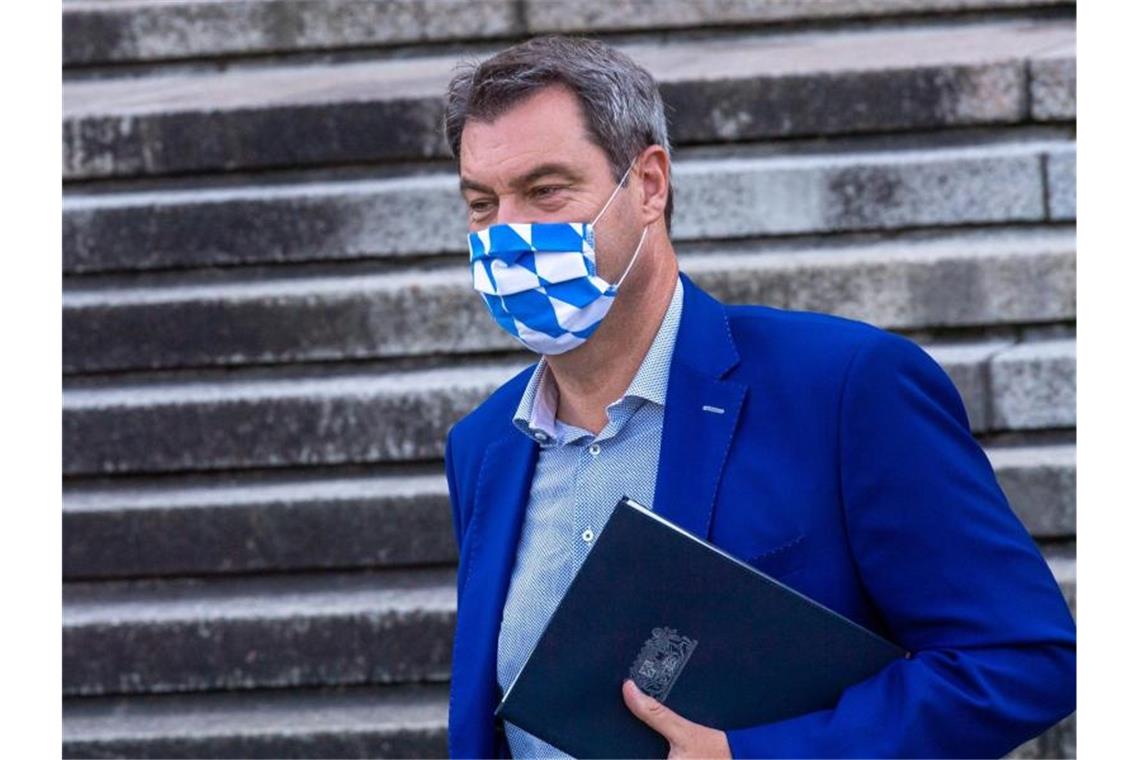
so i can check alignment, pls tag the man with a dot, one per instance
(827, 452)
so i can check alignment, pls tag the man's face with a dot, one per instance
(536, 163)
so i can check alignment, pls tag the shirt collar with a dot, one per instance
(535, 415)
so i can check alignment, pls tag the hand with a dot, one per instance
(686, 738)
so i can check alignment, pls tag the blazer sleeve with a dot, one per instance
(957, 578)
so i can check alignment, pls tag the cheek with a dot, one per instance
(615, 237)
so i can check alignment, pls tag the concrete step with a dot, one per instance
(248, 419)
(251, 523)
(758, 87)
(318, 629)
(592, 16)
(361, 722)
(1041, 485)
(1053, 85)
(1058, 741)
(277, 631)
(320, 416)
(725, 193)
(408, 720)
(1061, 182)
(1038, 386)
(967, 364)
(111, 31)
(1063, 563)
(914, 281)
(195, 525)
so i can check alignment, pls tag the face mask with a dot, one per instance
(540, 280)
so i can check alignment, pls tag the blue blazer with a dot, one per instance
(843, 465)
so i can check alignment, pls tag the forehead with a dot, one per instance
(544, 127)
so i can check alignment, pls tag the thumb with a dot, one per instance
(656, 715)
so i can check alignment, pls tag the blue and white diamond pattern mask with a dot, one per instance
(540, 279)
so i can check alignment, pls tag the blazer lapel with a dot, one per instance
(489, 554)
(701, 413)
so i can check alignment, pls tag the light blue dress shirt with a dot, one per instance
(578, 480)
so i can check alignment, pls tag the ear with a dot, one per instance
(653, 171)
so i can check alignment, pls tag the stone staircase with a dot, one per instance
(268, 325)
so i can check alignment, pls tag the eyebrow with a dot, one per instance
(542, 170)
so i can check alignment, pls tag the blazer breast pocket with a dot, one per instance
(783, 560)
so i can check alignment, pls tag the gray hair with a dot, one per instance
(620, 100)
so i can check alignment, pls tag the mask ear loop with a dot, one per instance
(643, 231)
(614, 193)
(629, 266)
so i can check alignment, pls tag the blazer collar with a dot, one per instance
(704, 340)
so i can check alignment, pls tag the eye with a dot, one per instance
(480, 206)
(545, 191)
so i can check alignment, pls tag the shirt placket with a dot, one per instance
(598, 495)
(574, 440)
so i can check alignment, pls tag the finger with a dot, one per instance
(656, 715)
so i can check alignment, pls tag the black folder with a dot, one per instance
(708, 635)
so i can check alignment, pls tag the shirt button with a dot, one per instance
(595, 449)
(540, 435)
(587, 535)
